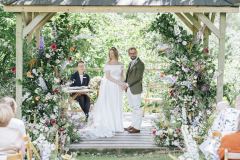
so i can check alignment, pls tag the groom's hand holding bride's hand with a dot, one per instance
(125, 87)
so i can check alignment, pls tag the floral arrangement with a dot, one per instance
(95, 85)
(166, 135)
(44, 103)
(192, 152)
(189, 76)
(95, 82)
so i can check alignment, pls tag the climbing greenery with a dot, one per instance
(190, 77)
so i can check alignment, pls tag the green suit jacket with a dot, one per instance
(134, 77)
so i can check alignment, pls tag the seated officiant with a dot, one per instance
(80, 78)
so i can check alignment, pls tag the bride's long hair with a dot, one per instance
(115, 52)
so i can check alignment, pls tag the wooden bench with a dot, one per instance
(148, 99)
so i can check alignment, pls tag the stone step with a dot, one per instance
(121, 141)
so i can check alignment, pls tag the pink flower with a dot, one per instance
(178, 130)
(61, 129)
(13, 70)
(53, 122)
(54, 46)
(205, 50)
(69, 59)
(154, 131)
(56, 91)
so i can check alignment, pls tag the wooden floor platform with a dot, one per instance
(143, 140)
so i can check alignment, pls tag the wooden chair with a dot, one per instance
(74, 96)
(172, 157)
(17, 156)
(30, 149)
(149, 98)
(231, 155)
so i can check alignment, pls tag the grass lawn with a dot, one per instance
(147, 156)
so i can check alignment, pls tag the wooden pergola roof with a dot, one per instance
(121, 5)
(123, 2)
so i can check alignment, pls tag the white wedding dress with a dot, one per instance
(106, 117)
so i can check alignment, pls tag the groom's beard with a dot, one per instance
(133, 57)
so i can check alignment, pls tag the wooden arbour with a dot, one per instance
(31, 15)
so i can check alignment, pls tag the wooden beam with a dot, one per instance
(206, 34)
(45, 20)
(94, 9)
(27, 18)
(196, 31)
(40, 25)
(19, 61)
(193, 20)
(30, 27)
(213, 16)
(221, 57)
(209, 24)
(185, 21)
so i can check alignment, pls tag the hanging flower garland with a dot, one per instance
(189, 76)
(44, 104)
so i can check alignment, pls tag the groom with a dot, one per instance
(134, 89)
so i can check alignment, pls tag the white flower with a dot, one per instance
(170, 131)
(48, 96)
(34, 71)
(58, 61)
(53, 116)
(176, 143)
(176, 30)
(179, 40)
(208, 112)
(57, 80)
(48, 56)
(184, 43)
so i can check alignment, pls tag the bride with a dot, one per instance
(106, 117)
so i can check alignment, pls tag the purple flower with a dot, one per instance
(41, 46)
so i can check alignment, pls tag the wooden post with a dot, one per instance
(19, 61)
(206, 35)
(197, 23)
(221, 57)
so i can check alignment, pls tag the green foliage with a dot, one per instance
(7, 52)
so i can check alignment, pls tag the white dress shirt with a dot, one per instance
(133, 62)
(81, 78)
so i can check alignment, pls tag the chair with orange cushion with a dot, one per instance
(233, 154)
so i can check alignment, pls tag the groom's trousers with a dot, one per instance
(134, 102)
